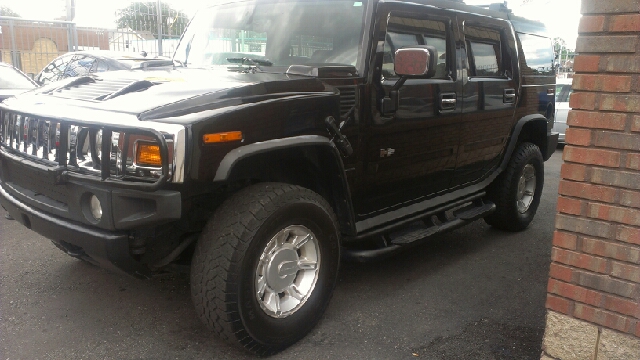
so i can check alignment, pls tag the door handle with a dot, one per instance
(509, 96)
(448, 101)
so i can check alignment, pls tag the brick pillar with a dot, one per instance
(593, 300)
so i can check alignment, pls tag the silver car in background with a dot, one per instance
(563, 91)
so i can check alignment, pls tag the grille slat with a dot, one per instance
(347, 98)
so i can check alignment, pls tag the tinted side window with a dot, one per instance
(54, 70)
(484, 51)
(403, 32)
(80, 65)
(538, 54)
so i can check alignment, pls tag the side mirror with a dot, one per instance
(409, 62)
(416, 61)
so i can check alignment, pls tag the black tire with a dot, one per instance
(504, 190)
(223, 271)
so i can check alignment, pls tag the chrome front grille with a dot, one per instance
(92, 151)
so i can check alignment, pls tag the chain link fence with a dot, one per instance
(30, 44)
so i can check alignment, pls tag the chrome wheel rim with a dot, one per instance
(526, 188)
(287, 271)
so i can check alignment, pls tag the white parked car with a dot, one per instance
(563, 91)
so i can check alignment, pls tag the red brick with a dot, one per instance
(611, 250)
(619, 84)
(564, 240)
(574, 292)
(625, 271)
(587, 191)
(585, 226)
(622, 306)
(573, 172)
(583, 100)
(586, 63)
(637, 333)
(559, 304)
(591, 156)
(630, 198)
(591, 24)
(633, 161)
(609, 6)
(614, 213)
(606, 283)
(560, 272)
(606, 44)
(622, 103)
(628, 234)
(635, 125)
(621, 63)
(597, 120)
(605, 318)
(606, 83)
(624, 23)
(576, 136)
(583, 261)
(624, 179)
(616, 140)
(569, 206)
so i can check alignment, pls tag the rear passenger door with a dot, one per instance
(489, 95)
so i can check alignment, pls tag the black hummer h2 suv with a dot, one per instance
(289, 134)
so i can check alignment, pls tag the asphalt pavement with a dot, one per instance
(474, 293)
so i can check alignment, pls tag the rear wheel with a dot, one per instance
(265, 266)
(517, 191)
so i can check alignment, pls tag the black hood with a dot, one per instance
(170, 93)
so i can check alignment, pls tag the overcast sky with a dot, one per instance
(560, 16)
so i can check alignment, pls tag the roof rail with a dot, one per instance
(496, 7)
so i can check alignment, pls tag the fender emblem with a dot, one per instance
(387, 152)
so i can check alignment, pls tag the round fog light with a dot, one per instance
(96, 208)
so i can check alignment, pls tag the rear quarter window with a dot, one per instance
(538, 54)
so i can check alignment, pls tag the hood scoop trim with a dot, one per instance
(95, 89)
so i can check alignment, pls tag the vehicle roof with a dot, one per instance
(491, 9)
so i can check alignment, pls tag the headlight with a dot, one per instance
(148, 154)
(95, 207)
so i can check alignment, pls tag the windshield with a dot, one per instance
(275, 33)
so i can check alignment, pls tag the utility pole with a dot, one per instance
(159, 19)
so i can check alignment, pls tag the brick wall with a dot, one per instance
(593, 301)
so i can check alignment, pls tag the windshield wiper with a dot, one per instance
(250, 61)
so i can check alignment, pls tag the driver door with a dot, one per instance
(411, 152)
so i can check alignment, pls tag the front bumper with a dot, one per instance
(108, 249)
(552, 144)
(59, 212)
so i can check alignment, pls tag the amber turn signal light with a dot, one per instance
(222, 137)
(148, 154)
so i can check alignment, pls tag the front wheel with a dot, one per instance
(517, 191)
(266, 265)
